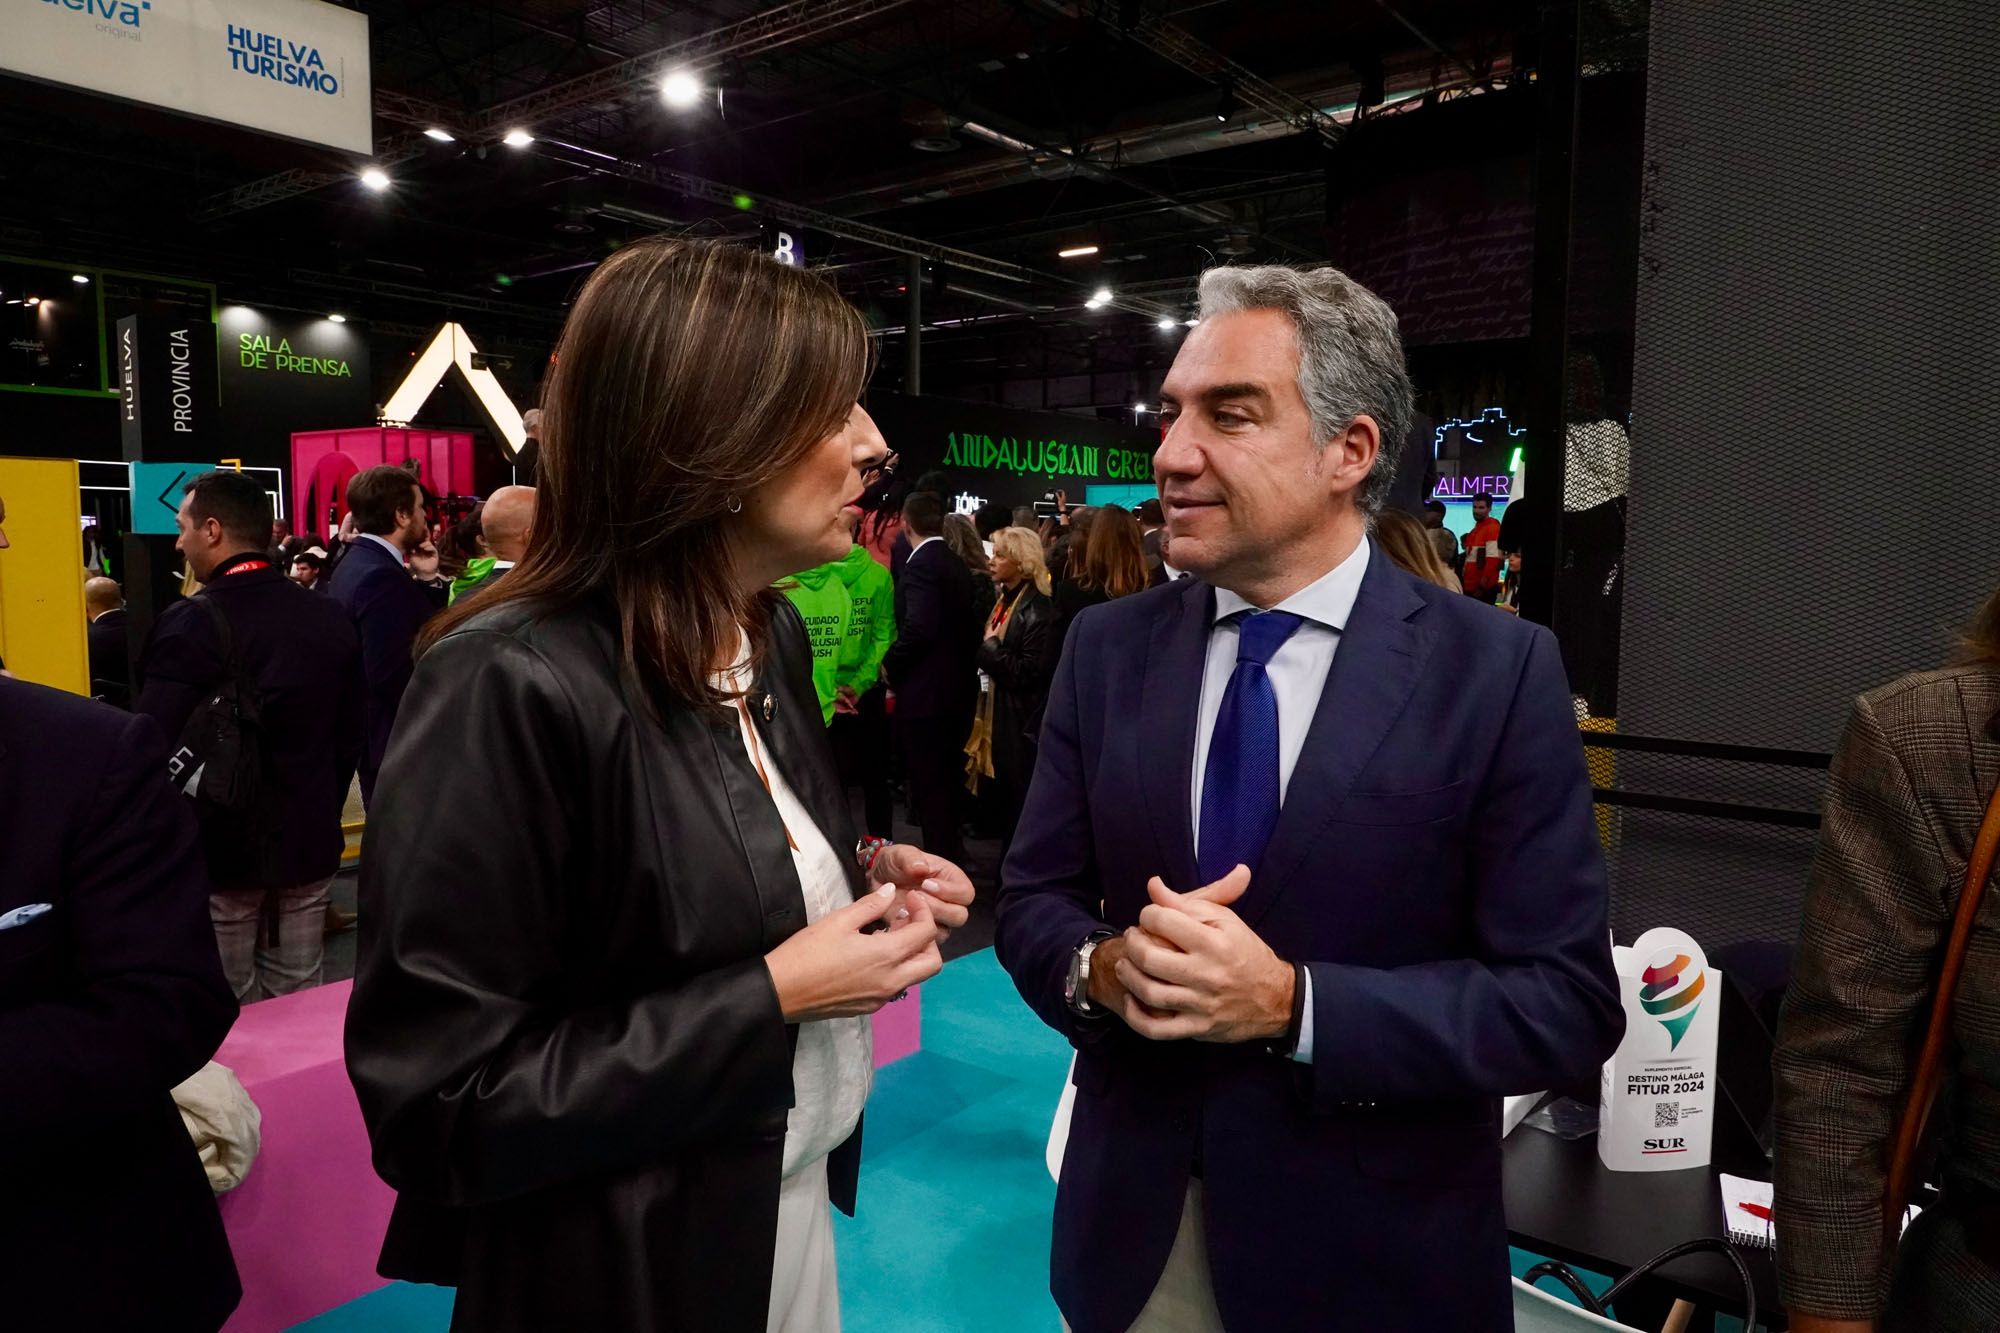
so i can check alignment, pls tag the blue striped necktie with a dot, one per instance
(1239, 787)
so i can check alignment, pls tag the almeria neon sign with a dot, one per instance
(1496, 487)
(1489, 428)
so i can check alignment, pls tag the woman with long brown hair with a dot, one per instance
(1112, 564)
(609, 1028)
(1904, 802)
(1407, 542)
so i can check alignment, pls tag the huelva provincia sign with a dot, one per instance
(1045, 458)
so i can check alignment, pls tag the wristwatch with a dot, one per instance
(1076, 986)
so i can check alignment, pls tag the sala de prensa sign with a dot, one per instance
(1044, 458)
(259, 351)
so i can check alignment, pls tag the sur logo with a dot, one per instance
(1671, 991)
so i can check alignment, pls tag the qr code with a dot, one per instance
(1666, 1115)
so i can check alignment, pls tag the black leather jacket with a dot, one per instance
(1022, 663)
(565, 1041)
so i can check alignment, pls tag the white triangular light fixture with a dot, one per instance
(452, 346)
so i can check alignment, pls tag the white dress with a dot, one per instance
(832, 1072)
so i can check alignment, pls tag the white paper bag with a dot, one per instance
(1656, 1101)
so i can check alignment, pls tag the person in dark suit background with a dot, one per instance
(110, 996)
(108, 641)
(273, 868)
(931, 669)
(1348, 906)
(372, 581)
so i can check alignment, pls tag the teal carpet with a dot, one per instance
(953, 1230)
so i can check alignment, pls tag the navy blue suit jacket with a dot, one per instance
(300, 650)
(933, 664)
(388, 609)
(1435, 866)
(108, 999)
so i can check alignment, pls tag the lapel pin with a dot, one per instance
(770, 708)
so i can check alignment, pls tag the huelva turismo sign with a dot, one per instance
(1045, 458)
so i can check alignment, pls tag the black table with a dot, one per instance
(1562, 1203)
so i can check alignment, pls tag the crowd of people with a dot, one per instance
(1305, 907)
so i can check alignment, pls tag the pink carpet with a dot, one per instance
(307, 1223)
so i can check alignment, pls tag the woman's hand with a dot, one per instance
(831, 969)
(941, 885)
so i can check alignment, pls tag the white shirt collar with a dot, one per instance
(499, 565)
(385, 544)
(1327, 600)
(922, 544)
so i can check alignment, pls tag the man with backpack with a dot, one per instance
(257, 684)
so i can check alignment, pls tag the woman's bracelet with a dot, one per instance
(866, 850)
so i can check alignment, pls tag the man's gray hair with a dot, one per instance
(1350, 354)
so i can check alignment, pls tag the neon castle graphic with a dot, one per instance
(1659, 996)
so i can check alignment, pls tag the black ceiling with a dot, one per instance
(1064, 123)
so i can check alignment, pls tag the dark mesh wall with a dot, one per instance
(1816, 389)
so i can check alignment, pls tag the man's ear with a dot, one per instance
(1352, 453)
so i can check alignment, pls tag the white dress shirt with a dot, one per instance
(402, 558)
(1297, 672)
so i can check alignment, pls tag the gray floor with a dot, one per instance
(982, 863)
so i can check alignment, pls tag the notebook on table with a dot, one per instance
(1746, 1209)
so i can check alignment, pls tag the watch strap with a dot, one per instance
(1286, 1043)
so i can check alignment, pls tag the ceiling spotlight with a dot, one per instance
(336, 319)
(1100, 297)
(442, 136)
(1139, 409)
(1166, 326)
(32, 301)
(1190, 323)
(680, 89)
(518, 138)
(1076, 252)
(375, 179)
(1226, 104)
(79, 278)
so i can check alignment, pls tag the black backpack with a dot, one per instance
(219, 764)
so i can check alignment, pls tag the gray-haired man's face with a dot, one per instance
(1245, 485)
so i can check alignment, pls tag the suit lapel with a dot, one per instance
(1169, 709)
(1375, 669)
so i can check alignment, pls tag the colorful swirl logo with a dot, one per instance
(1671, 992)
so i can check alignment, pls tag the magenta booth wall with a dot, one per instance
(323, 460)
(306, 1224)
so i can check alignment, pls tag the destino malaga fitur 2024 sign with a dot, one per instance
(295, 68)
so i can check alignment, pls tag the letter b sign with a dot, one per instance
(788, 251)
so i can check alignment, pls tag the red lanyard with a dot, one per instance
(246, 567)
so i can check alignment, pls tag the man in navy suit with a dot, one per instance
(111, 995)
(272, 868)
(1305, 903)
(933, 670)
(373, 582)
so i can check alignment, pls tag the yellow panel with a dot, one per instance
(41, 574)
(1603, 773)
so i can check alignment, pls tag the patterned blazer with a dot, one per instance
(1908, 788)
